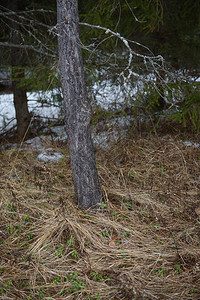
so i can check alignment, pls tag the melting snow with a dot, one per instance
(36, 107)
(49, 155)
(105, 96)
(191, 144)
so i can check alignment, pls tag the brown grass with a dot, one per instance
(144, 243)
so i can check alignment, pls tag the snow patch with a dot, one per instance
(49, 155)
(186, 143)
(35, 104)
(191, 144)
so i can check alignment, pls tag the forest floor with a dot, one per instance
(143, 243)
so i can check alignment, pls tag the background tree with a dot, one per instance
(25, 46)
(17, 72)
(77, 114)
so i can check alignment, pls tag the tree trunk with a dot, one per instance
(77, 112)
(20, 99)
(21, 104)
(161, 100)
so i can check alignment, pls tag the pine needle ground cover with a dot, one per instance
(143, 243)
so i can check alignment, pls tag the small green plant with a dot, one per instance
(74, 254)
(85, 214)
(124, 254)
(177, 269)
(87, 244)
(156, 226)
(129, 205)
(127, 233)
(26, 219)
(148, 216)
(114, 214)
(59, 251)
(7, 286)
(76, 284)
(105, 233)
(162, 199)
(72, 276)
(40, 292)
(71, 244)
(70, 241)
(185, 230)
(131, 175)
(58, 278)
(98, 276)
(122, 217)
(98, 296)
(159, 241)
(22, 283)
(160, 272)
(161, 169)
(18, 228)
(118, 241)
(103, 205)
(193, 292)
(10, 229)
(29, 236)
(11, 207)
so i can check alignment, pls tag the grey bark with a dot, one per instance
(77, 112)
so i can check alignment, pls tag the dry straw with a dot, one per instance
(143, 243)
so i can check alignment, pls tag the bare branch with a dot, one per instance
(132, 53)
(30, 47)
(25, 12)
